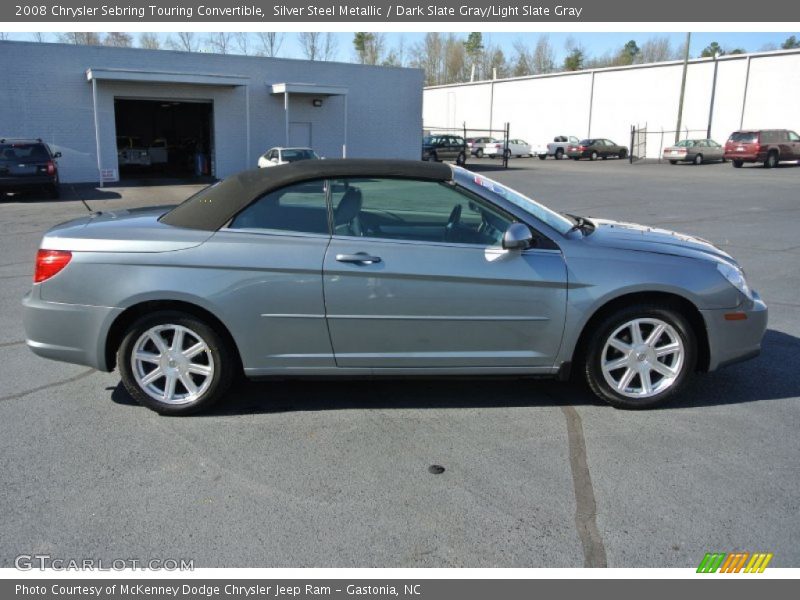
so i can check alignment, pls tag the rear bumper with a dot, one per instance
(72, 333)
(734, 341)
(18, 183)
(745, 157)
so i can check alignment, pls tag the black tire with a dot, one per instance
(592, 363)
(623, 153)
(673, 162)
(543, 157)
(479, 153)
(507, 154)
(53, 191)
(724, 160)
(593, 155)
(604, 157)
(772, 160)
(576, 158)
(698, 160)
(461, 159)
(559, 153)
(737, 164)
(223, 356)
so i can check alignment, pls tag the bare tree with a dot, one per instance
(523, 61)
(657, 49)
(317, 45)
(3, 35)
(220, 42)
(271, 42)
(80, 38)
(456, 61)
(39, 36)
(494, 63)
(118, 39)
(428, 56)
(184, 41)
(243, 42)
(544, 57)
(396, 57)
(149, 41)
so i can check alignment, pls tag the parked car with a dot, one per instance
(282, 156)
(516, 147)
(355, 267)
(28, 164)
(131, 152)
(476, 145)
(444, 147)
(558, 147)
(595, 148)
(694, 151)
(767, 146)
(159, 152)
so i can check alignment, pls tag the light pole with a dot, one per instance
(713, 93)
(683, 86)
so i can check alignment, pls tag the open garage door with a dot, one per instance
(164, 138)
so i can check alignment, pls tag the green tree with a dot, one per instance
(713, 49)
(790, 43)
(630, 51)
(575, 56)
(369, 47)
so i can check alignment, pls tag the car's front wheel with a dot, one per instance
(640, 356)
(543, 157)
(174, 363)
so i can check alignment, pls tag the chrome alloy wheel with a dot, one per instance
(642, 358)
(172, 364)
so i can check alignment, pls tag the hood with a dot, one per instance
(133, 230)
(631, 236)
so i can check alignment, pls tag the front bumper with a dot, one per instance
(72, 333)
(735, 341)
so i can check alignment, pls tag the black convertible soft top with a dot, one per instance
(214, 206)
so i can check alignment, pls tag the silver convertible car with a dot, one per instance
(382, 268)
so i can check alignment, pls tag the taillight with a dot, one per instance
(581, 148)
(51, 167)
(49, 263)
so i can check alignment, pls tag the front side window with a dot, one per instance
(406, 209)
(299, 207)
(793, 137)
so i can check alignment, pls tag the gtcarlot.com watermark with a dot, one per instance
(46, 562)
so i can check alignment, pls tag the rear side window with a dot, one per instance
(745, 137)
(299, 208)
(30, 152)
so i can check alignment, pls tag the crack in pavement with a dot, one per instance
(594, 551)
(47, 386)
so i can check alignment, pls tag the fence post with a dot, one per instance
(630, 154)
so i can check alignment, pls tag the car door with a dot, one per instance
(415, 277)
(267, 269)
(794, 144)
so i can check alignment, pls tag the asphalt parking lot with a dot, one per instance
(326, 473)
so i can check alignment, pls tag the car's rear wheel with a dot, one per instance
(698, 160)
(174, 363)
(461, 159)
(673, 162)
(772, 160)
(543, 157)
(623, 153)
(479, 153)
(640, 356)
(559, 154)
(737, 164)
(53, 191)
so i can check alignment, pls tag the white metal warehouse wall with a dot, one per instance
(45, 93)
(753, 91)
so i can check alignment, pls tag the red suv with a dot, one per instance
(768, 146)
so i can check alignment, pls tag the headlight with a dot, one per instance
(735, 276)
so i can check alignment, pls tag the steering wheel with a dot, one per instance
(452, 222)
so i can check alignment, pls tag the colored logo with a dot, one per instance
(735, 562)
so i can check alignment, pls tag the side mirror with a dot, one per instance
(57, 155)
(517, 237)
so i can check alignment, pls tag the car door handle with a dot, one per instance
(358, 257)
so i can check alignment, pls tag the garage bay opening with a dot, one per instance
(164, 138)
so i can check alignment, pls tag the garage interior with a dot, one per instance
(164, 138)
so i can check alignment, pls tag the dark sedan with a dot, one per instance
(27, 165)
(594, 148)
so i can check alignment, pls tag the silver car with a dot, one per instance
(382, 268)
(694, 151)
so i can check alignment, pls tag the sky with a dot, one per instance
(596, 44)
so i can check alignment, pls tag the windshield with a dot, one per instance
(491, 188)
